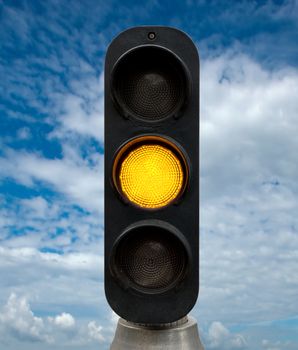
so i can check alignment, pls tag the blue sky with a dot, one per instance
(51, 169)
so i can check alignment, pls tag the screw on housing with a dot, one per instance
(151, 36)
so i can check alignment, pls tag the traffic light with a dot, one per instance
(152, 174)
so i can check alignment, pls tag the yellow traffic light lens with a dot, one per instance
(151, 173)
(151, 176)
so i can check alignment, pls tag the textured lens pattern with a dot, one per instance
(150, 86)
(152, 260)
(151, 176)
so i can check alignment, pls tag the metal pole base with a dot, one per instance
(180, 335)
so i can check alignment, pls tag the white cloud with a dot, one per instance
(220, 338)
(50, 223)
(114, 318)
(24, 133)
(67, 262)
(266, 344)
(52, 279)
(38, 207)
(248, 125)
(64, 320)
(18, 320)
(95, 331)
(81, 183)
(248, 191)
(82, 111)
(277, 345)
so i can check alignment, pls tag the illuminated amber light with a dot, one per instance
(151, 175)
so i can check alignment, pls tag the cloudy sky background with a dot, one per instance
(51, 170)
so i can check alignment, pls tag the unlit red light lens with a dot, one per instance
(151, 175)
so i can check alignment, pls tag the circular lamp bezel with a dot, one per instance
(122, 278)
(136, 142)
(120, 104)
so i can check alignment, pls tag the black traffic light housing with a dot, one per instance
(152, 98)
